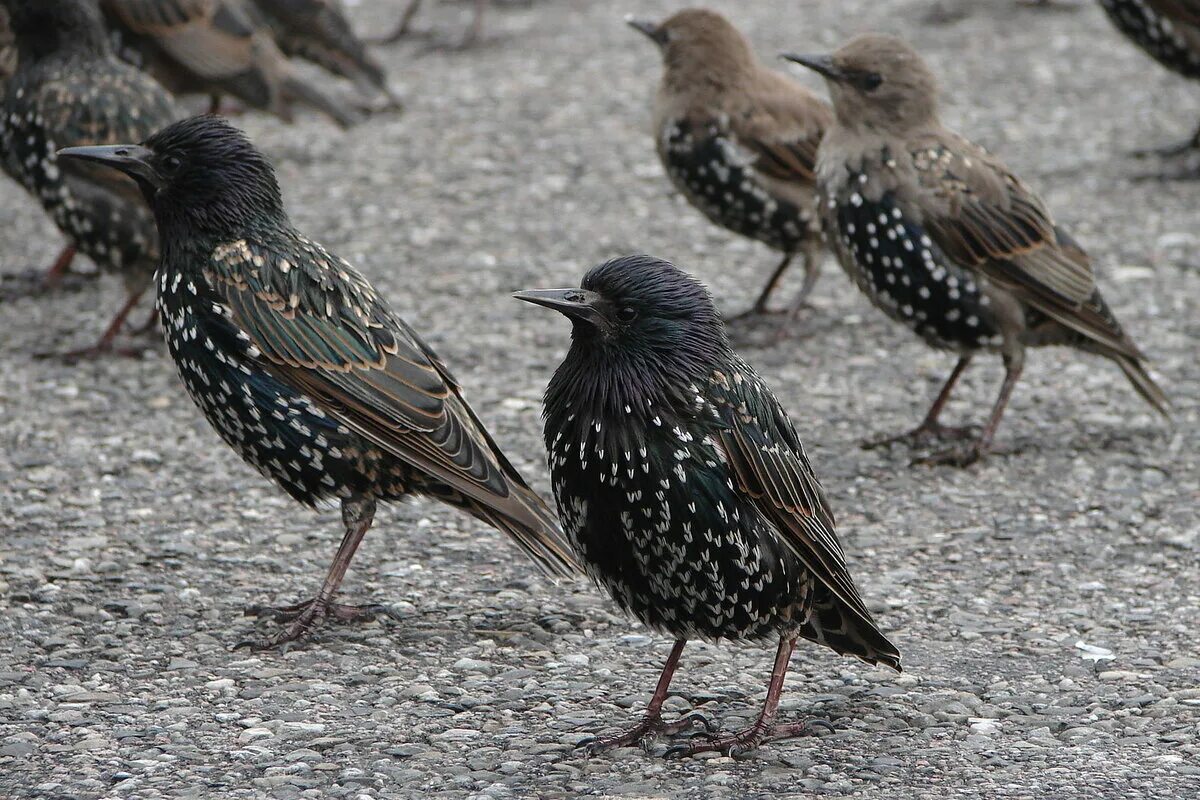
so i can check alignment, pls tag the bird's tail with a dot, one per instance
(295, 89)
(831, 625)
(534, 528)
(1135, 370)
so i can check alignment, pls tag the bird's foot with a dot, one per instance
(1049, 5)
(34, 283)
(93, 352)
(963, 456)
(303, 617)
(923, 434)
(650, 727)
(744, 741)
(1169, 151)
(755, 313)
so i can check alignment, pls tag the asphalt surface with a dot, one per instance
(1045, 601)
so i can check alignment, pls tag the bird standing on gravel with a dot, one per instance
(301, 367)
(685, 490)
(1169, 31)
(945, 240)
(69, 89)
(738, 140)
(217, 47)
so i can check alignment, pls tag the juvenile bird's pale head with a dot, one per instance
(879, 83)
(699, 48)
(642, 329)
(199, 175)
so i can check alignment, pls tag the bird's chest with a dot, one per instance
(278, 430)
(905, 274)
(717, 177)
(1155, 34)
(659, 525)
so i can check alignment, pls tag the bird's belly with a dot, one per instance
(277, 430)
(713, 175)
(905, 274)
(678, 560)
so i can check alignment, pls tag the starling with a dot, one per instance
(1169, 31)
(69, 89)
(301, 366)
(945, 240)
(684, 489)
(217, 47)
(318, 31)
(739, 140)
(8, 50)
(473, 34)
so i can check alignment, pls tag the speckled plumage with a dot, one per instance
(70, 90)
(217, 47)
(944, 239)
(679, 478)
(302, 367)
(1167, 30)
(739, 140)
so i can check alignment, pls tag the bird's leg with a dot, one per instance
(149, 325)
(475, 32)
(760, 305)
(763, 729)
(58, 270)
(930, 428)
(652, 723)
(105, 343)
(357, 514)
(965, 456)
(812, 270)
(401, 30)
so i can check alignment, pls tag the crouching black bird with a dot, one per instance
(300, 366)
(684, 488)
(69, 89)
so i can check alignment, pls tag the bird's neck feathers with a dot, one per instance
(73, 36)
(634, 382)
(251, 211)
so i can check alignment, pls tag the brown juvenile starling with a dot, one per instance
(301, 366)
(319, 31)
(945, 240)
(69, 89)
(739, 140)
(217, 47)
(685, 490)
(1169, 31)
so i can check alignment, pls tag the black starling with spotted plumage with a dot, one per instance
(945, 240)
(301, 366)
(217, 47)
(1167, 30)
(739, 140)
(684, 488)
(69, 89)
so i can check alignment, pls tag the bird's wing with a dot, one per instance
(769, 466)
(318, 30)
(321, 328)
(985, 219)
(782, 127)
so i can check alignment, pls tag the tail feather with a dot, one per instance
(296, 89)
(847, 634)
(538, 534)
(1135, 370)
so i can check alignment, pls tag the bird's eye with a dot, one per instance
(871, 81)
(627, 314)
(171, 163)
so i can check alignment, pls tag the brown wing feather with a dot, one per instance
(782, 124)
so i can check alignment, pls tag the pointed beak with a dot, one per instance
(656, 34)
(577, 304)
(821, 64)
(132, 159)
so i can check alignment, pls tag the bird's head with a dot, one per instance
(644, 313)
(44, 27)
(877, 82)
(200, 173)
(699, 47)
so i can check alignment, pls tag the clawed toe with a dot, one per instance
(745, 741)
(923, 435)
(694, 724)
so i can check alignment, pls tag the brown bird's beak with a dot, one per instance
(132, 159)
(656, 34)
(577, 304)
(822, 65)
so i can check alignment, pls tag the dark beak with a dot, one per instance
(820, 64)
(656, 34)
(575, 303)
(132, 159)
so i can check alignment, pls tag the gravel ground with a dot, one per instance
(1045, 601)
